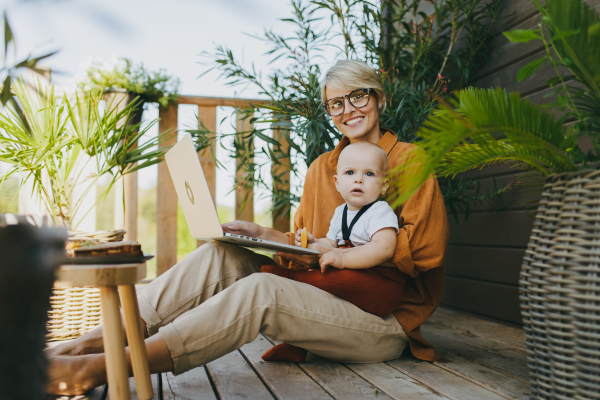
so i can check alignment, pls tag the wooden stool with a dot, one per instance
(117, 280)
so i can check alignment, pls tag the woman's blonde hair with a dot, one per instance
(352, 75)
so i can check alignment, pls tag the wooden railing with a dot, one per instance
(166, 214)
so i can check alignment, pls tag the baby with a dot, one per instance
(359, 245)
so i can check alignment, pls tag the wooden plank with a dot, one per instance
(281, 179)
(208, 116)
(193, 384)
(204, 101)
(485, 172)
(394, 383)
(485, 298)
(515, 198)
(442, 381)
(513, 13)
(507, 77)
(285, 379)
(155, 387)
(504, 52)
(341, 382)
(477, 326)
(476, 355)
(166, 202)
(244, 198)
(516, 354)
(500, 383)
(494, 264)
(235, 379)
(502, 229)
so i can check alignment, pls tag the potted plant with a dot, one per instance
(134, 80)
(66, 133)
(558, 284)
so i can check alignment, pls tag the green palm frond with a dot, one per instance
(480, 127)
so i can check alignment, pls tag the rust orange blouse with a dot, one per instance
(420, 246)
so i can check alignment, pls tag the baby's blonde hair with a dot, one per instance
(351, 75)
(381, 154)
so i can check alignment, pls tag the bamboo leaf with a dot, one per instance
(530, 68)
(522, 35)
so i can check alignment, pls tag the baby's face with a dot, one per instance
(360, 177)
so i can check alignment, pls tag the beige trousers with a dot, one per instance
(204, 309)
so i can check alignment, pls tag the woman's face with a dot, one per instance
(357, 124)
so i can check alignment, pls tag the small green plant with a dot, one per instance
(149, 86)
(66, 133)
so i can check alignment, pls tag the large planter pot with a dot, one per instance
(560, 289)
(29, 257)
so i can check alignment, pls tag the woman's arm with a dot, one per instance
(254, 230)
(379, 250)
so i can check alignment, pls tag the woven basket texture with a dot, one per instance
(76, 310)
(560, 289)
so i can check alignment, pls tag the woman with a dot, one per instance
(213, 302)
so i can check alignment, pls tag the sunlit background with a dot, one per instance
(175, 36)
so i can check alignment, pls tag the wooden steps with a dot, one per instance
(479, 360)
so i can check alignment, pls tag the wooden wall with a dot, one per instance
(485, 253)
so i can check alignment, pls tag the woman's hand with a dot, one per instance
(243, 228)
(334, 258)
(307, 261)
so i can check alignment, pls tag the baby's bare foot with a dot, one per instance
(75, 375)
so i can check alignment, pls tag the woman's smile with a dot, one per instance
(354, 121)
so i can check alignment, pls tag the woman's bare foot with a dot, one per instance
(75, 375)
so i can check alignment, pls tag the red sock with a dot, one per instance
(285, 352)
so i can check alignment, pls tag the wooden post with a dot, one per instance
(166, 202)
(282, 173)
(208, 116)
(243, 195)
(126, 199)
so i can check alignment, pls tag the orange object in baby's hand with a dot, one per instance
(303, 243)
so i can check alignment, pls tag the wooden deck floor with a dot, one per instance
(480, 360)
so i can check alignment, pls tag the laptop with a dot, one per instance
(198, 206)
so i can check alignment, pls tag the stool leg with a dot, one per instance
(135, 338)
(114, 345)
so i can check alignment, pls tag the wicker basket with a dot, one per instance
(76, 310)
(560, 289)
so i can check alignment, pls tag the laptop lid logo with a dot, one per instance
(189, 192)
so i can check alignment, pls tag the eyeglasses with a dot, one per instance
(359, 98)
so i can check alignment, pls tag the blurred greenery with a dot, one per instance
(9, 201)
(150, 86)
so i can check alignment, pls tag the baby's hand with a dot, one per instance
(333, 258)
(311, 238)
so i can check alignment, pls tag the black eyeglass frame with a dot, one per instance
(342, 98)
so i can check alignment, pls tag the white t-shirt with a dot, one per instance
(380, 215)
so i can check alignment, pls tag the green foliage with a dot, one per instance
(10, 71)
(414, 53)
(485, 126)
(149, 86)
(67, 134)
(574, 31)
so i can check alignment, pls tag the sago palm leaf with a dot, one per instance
(481, 127)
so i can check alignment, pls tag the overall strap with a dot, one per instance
(345, 230)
